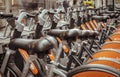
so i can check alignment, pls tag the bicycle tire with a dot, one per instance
(10, 71)
(40, 64)
(93, 67)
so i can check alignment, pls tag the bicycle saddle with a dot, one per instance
(37, 45)
(6, 15)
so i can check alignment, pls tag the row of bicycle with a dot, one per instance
(89, 49)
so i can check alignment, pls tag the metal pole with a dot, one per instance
(44, 4)
(106, 3)
(8, 6)
(20, 3)
(113, 5)
(102, 4)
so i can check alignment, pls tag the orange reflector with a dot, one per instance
(88, 26)
(95, 22)
(59, 40)
(33, 68)
(65, 49)
(103, 25)
(25, 56)
(83, 27)
(51, 55)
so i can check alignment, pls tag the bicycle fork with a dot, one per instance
(53, 69)
(6, 59)
(31, 65)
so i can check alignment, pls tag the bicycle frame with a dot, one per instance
(7, 61)
(53, 69)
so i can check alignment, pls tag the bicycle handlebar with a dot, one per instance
(72, 33)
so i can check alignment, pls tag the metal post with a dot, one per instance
(8, 6)
(20, 3)
(113, 5)
(44, 4)
(98, 3)
(110, 5)
(106, 3)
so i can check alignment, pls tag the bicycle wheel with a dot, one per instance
(114, 37)
(12, 71)
(111, 45)
(42, 68)
(94, 70)
(106, 61)
(107, 53)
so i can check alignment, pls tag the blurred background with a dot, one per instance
(13, 6)
(8, 5)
